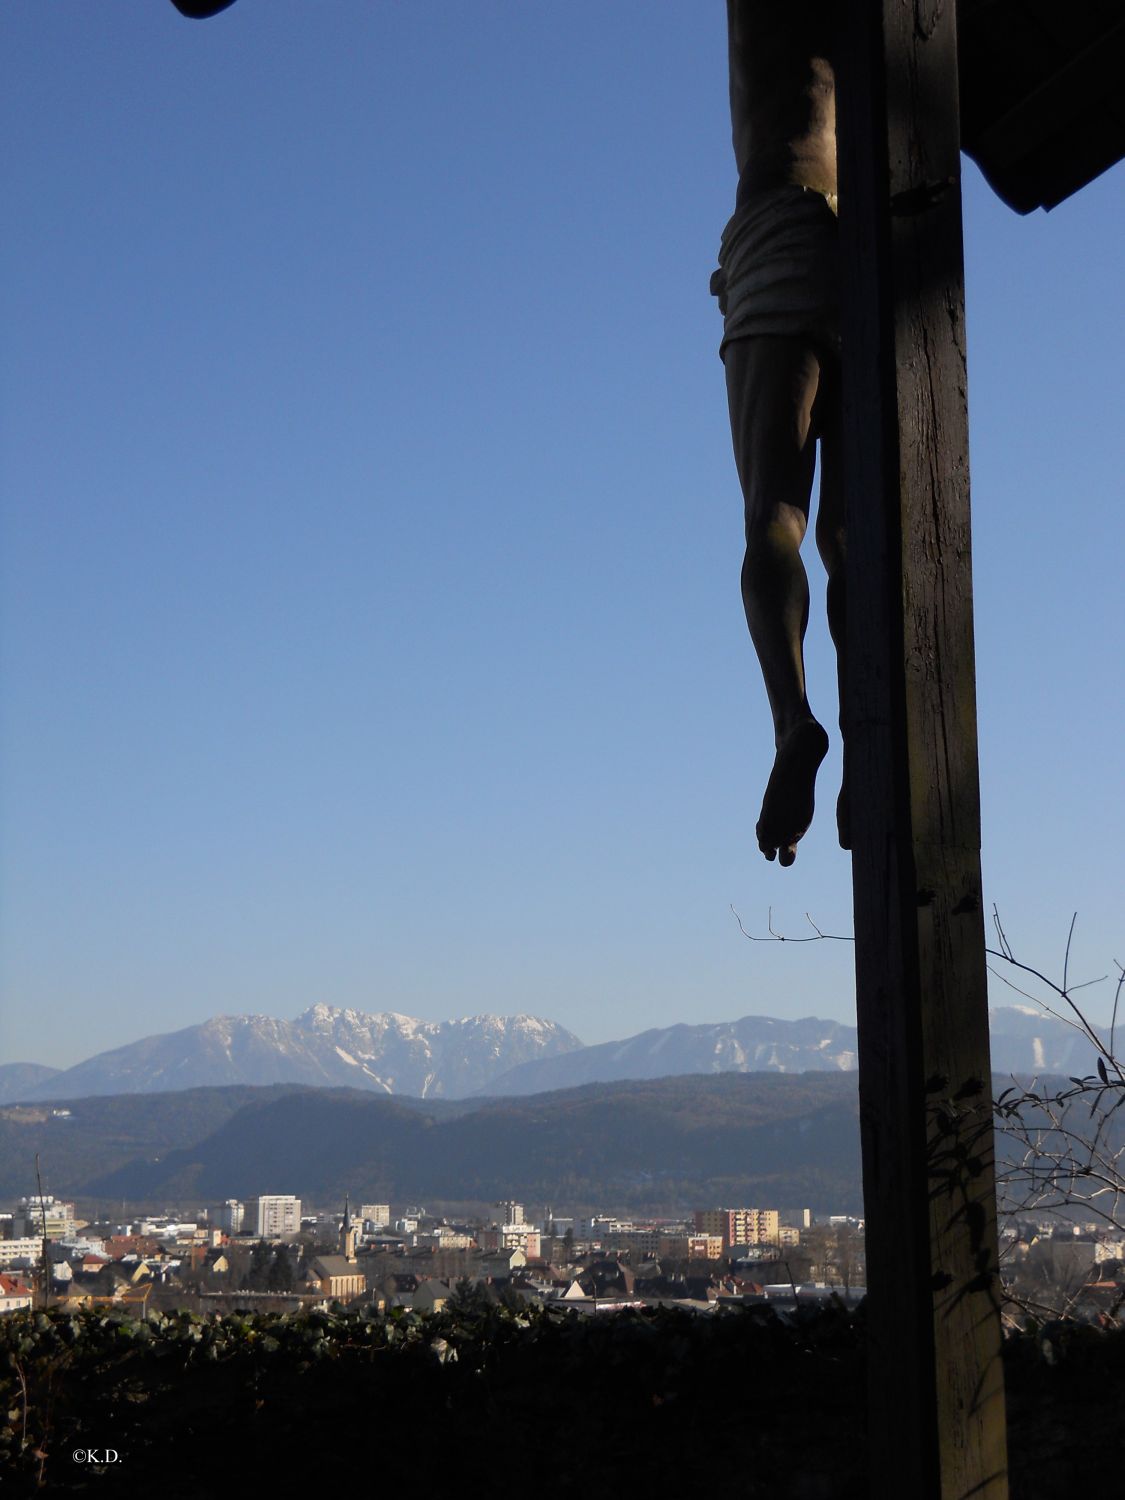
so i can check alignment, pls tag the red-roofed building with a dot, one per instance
(133, 1244)
(13, 1294)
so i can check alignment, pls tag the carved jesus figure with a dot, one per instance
(777, 286)
(777, 290)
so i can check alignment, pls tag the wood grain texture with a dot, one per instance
(937, 1401)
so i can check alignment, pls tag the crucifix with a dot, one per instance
(936, 1378)
(853, 334)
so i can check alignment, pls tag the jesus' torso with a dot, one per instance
(783, 93)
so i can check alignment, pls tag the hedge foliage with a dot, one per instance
(770, 1404)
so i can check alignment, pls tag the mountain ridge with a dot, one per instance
(751, 1044)
(474, 1056)
(325, 1045)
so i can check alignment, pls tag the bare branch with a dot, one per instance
(773, 936)
(1054, 1159)
(1116, 1001)
(1066, 955)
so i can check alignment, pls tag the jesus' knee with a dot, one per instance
(772, 563)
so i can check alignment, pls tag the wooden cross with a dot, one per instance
(936, 1402)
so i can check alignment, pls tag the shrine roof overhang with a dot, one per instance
(1042, 103)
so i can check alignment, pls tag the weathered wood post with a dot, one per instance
(936, 1388)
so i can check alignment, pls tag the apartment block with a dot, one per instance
(691, 1246)
(44, 1218)
(739, 1226)
(512, 1237)
(229, 1216)
(26, 1248)
(276, 1216)
(508, 1212)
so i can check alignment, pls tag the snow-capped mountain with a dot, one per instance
(755, 1044)
(388, 1052)
(501, 1055)
(1024, 1040)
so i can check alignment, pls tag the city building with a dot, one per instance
(508, 1213)
(276, 1216)
(348, 1232)
(443, 1237)
(640, 1242)
(44, 1217)
(340, 1279)
(691, 1246)
(14, 1295)
(431, 1295)
(512, 1237)
(27, 1250)
(339, 1276)
(740, 1226)
(229, 1216)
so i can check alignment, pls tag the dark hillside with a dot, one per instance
(653, 1143)
(109, 1131)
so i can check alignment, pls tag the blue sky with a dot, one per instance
(371, 626)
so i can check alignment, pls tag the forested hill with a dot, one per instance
(660, 1144)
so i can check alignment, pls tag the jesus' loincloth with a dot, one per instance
(778, 269)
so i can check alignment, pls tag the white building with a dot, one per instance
(228, 1216)
(46, 1217)
(508, 1213)
(443, 1238)
(81, 1246)
(512, 1237)
(377, 1215)
(27, 1249)
(276, 1216)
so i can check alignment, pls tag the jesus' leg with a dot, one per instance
(772, 385)
(831, 544)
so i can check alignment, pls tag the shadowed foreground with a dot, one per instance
(578, 1405)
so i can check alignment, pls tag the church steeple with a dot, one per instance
(347, 1233)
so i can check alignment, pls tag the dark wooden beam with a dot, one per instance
(936, 1387)
(200, 10)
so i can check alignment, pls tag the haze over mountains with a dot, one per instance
(395, 1054)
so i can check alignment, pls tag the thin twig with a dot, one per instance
(1060, 1166)
(1066, 955)
(780, 937)
(1116, 1001)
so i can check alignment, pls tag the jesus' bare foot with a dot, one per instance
(787, 807)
